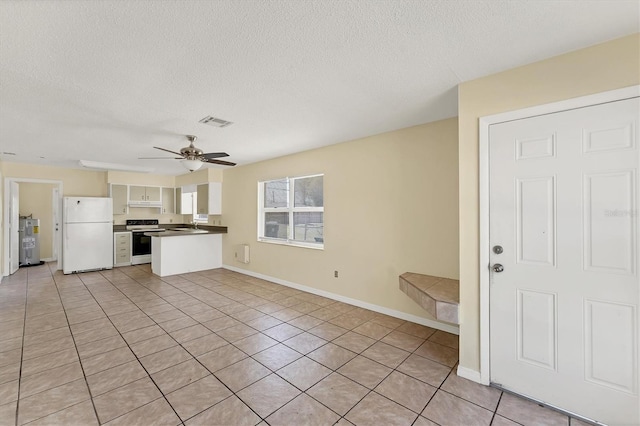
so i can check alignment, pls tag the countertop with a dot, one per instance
(201, 231)
(170, 226)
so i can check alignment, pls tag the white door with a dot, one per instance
(55, 207)
(14, 221)
(564, 309)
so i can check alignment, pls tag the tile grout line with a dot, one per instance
(75, 345)
(24, 331)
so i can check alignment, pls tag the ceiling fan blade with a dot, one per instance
(173, 152)
(224, 163)
(215, 155)
(160, 158)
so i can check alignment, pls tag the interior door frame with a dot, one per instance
(5, 229)
(484, 375)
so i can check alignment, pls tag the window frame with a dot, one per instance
(290, 209)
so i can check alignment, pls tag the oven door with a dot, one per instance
(141, 244)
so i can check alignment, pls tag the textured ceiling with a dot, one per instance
(107, 80)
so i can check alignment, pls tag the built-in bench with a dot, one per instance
(438, 296)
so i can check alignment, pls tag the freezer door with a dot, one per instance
(87, 246)
(87, 209)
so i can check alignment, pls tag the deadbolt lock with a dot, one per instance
(497, 249)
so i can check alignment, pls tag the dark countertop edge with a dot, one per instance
(169, 233)
(169, 226)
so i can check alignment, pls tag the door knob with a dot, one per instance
(497, 268)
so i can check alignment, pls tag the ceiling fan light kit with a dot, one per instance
(192, 158)
(191, 165)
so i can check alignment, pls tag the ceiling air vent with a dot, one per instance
(215, 122)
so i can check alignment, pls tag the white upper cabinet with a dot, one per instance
(210, 198)
(119, 196)
(144, 193)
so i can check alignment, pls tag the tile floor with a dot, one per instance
(124, 347)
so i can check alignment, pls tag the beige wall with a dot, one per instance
(76, 182)
(36, 199)
(391, 206)
(599, 68)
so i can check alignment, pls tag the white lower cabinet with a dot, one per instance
(121, 248)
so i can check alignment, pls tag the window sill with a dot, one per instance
(291, 243)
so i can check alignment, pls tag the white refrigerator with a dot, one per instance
(87, 234)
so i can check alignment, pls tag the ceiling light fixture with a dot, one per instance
(191, 164)
(115, 167)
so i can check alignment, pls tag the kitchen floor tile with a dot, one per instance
(303, 373)
(221, 358)
(157, 412)
(48, 379)
(197, 397)
(338, 393)
(79, 414)
(364, 371)
(235, 333)
(9, 392)
(53, 400)
(231, 411)
(276, 357)
(379, 410)
(305, 342)
(125, 399)
(36, 365)
(373, 330)
(481, 395)
(115, 377)
(282, 332)
(141, 334)
(528, 413)
(173, 378)
(386, 354)
(436, 352)
(254, 344)
(164, 359)
(425, 370)
(445, 339)
(406, 391)
(241, 374)
(332, 356)
(153, 345)
(106, 360)
(268, 395)
(204, 344)
(354, 342)
(328, 331)
(303, 410)
(403, 341)
(447, 409)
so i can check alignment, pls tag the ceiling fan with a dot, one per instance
(192, 157)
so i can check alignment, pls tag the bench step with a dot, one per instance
(436, 295)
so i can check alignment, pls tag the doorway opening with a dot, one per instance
(40, 199)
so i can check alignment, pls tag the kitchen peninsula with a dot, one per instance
(183, 250)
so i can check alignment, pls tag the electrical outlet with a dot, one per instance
(335, 274)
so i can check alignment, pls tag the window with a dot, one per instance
(291, 211)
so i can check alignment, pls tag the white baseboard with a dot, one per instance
(48, 259)
(470, 374)
(359, 303)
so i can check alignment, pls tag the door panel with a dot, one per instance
(14, 219)
(563, 313)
